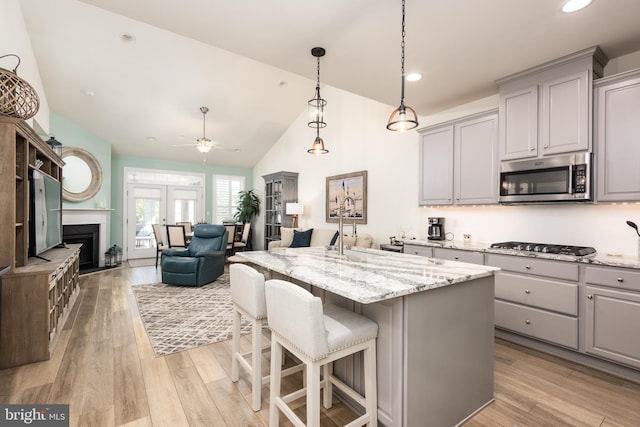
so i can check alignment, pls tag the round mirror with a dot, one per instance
(81, 175)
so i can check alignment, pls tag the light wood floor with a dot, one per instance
(105, 368)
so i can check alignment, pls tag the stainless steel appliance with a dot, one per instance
(559, 178)
(436, 228)
(545, 248)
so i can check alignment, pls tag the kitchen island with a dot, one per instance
(435, 318)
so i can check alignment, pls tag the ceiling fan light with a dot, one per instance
(318, 147)
(575, 5)
(203, 148)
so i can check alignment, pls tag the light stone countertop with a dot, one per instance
(595, 259)
(366, 275)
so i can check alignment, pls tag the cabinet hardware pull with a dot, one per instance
(546, 146)
(527, 267)
(527, 291)
(528, 322)
(620, 279)
(589, 296)
(455, 257)
(531, 148)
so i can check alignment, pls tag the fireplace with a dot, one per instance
(89, 236)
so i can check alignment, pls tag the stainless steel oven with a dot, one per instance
(562, 178)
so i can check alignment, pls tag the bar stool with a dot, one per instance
(318, 336)
(247, 295)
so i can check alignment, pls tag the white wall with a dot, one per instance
(357, 139)
(15, 39)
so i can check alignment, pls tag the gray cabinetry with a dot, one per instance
(547, 109)
(537, 298)
(280, 188)
(617, 137)
(458, 161)
(613, 314)
(418, 250)
(459, 255)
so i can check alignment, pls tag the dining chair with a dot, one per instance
(188, 228)
(160, 245)
(176, 236)
(231, 243)
(243, 244)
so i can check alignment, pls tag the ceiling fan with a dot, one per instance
(204, 144)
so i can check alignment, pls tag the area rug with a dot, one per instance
(178, 318)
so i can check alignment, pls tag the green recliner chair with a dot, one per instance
(199, 263)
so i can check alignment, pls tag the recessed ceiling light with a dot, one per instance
(413, 77)
(127, 38)
(575, 5)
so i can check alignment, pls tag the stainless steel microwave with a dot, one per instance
(561, 178)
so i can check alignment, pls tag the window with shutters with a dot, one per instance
(226, 189)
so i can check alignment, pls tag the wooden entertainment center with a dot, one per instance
(36, 296)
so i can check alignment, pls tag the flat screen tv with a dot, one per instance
(45, 213)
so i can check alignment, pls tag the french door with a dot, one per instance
(162, 204)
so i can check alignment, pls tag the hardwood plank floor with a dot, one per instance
(105, 368)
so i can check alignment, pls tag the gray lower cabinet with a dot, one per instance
(541, 303)
(418, 250)
(613, 314)
(459, 161)
(617, 132)
(459, 255)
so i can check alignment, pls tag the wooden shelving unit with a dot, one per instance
(280, 188)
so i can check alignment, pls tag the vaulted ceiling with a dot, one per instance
(135, 73)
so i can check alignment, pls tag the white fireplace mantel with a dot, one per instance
(82, 216)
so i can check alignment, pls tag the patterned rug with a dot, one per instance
(178, 318)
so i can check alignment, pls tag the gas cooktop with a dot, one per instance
(545, 248)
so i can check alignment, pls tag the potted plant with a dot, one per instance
(248, 206)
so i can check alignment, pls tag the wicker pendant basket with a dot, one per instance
(18, 100)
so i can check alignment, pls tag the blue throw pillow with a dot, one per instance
(301, 239)
(334, 238)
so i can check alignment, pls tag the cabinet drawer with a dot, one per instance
(458, 255)
(544, 325)
(539, 267)
(418, 250)
(621, 278)
(540, 293)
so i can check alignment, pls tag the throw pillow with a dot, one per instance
(301, 239)
(334, 239)
(286, 236)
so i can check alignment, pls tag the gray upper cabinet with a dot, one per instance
(617, 137)
(547, 110)
(458, 161)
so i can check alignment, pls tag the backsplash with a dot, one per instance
(600, 226)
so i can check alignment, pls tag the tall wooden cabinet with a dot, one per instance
(280, 188)
(36, 295)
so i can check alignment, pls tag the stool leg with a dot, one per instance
(236, 345)
(313, 394)
(327, 396)
(256, 363)
(274, 384)
(370, 383)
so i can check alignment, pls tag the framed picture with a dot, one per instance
(349, 189)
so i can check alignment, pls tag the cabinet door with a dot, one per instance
(436, 167)
(565, 114)
(475, 162)
(617, 137)
(519, 124)
(612, 325)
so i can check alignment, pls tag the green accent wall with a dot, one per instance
(111, 193)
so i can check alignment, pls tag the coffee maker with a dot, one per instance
(436, 228)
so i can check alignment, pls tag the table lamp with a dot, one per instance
(294, 209)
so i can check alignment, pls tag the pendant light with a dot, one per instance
(18, 100)
(403, 118)
(316, 109)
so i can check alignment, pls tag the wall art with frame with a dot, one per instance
(352, 189)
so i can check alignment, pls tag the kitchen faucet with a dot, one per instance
(341, 222)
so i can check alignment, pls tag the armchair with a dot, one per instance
(199, 263)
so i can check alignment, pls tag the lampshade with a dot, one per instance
(203, 145)
(18, 100)
(318, 146)
(294, 209)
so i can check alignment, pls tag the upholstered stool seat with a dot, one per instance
(318, 336)
(248, 297)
